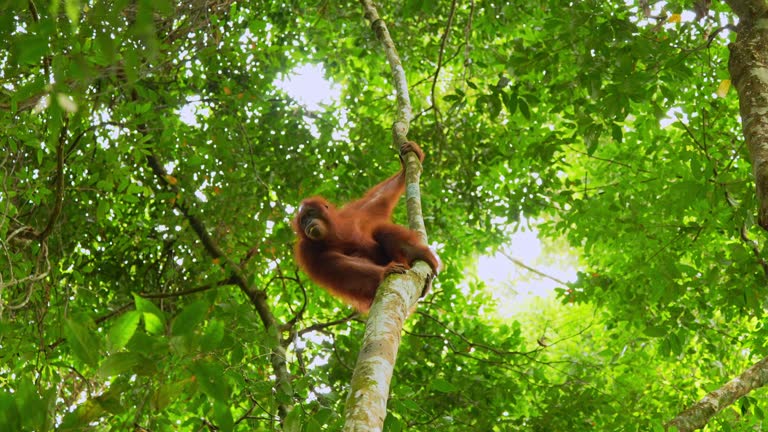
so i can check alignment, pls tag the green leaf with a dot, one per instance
(34, 87)
(190, 318)
(442, 385)
(312, 425)
(72, 8)
(31, 48)
(209, 376)
(153, 323)
(123, 329)
(119, 363)
(522, 104)
(494, 105)
(154, 319)
(164, 7)
(33, 404)
(102, 210)
(510, 102)
(294, 420)
(84, 414)
(592, 138)
(167, 393)
(393, 424)
(10, 416)
(655, 331)
(82, 341)
(213, 335)
(223, 416)
(616, 133)
(105, 49)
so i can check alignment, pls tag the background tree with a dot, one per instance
(147, 277)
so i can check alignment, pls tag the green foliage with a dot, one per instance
(594, 120)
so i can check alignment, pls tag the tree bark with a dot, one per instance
(748, 66)
(697, 416)
(366, 406)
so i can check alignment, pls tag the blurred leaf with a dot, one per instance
(213, 335)
(223, 417)
(31, 48)
(189, 318)
(443, 386)
(209, 378)
(123, 329)
(118, 363)
(84, 344)
(72, 8)
(154, 319)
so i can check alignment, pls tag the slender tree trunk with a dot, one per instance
(366, 407)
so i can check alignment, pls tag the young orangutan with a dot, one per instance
(350, 250)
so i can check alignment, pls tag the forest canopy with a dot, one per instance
(154, 154)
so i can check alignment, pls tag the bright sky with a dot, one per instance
(512, 286)
(307, 85)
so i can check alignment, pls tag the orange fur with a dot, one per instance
(348, 251)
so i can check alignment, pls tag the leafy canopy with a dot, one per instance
(612, 128)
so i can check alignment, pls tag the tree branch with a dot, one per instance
(697, 416)
(519, 263)
(747, 66)
(366, 406)
(59, 200)
(257, 297)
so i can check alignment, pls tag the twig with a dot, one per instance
(323, 326)
(755, 247)
(441, 52)
(59, 203)
(230, 281)
(519, 263)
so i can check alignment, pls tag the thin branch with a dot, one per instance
(296, 316)
(59, 199)
(441, 53)
(519, 263)
(610, 161)
(91, 128)
(202, 288)
(99, 320)
(38, 275)
(323, 326)
(404, 114)
(467, 37)
(477, 344)
(256, 296)
(755, 247)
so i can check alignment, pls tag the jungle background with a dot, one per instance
(151, 163)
